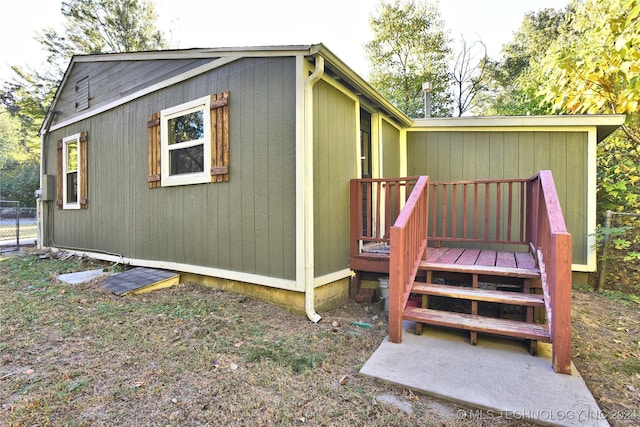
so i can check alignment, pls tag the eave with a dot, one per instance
(604, 123)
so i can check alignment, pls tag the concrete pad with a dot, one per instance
(81, 276)
(498, 376)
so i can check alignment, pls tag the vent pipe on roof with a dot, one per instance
(426, 88)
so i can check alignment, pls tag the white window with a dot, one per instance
(185, 134)
(71, 172)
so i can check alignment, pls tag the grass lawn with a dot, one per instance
(191, 356)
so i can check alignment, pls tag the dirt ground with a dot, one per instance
(606, 351)
(191, 356)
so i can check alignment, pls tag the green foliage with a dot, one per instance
(92, 26)
(514, 80)
(619, 249)
(621, 297)
(18, 161)
(594, 65)
(410, 46)
(102, 26)
(19, 181)
(619, 172)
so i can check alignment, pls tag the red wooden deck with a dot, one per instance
(392, 220)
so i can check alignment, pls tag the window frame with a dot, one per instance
(65, 146)
(167, 114)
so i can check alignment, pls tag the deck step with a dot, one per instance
(477, 294)
(476, 323)
(525, 273)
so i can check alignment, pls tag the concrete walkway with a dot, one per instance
(498, 376)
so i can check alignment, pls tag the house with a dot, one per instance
(233, 166)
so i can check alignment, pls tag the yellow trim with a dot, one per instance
(403, 152)
(162, 284)
(332, 277)
(502, 129)
(377, 159)
(592, 144)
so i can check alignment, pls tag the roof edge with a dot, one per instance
(360, 83)
(605, 123)
(193, 53)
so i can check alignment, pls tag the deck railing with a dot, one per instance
(547, 232)
(375, 205)
(484, 211)
(510, 211)
(408, 246)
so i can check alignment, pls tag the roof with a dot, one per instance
(604, 123)
(333, 66)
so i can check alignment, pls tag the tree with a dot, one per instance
(594, 67)
(410, 46)
(515, 79)
(18, 162)
(92, 26)
(469, 75)
(102, 26)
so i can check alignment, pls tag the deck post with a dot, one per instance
(396, 287)
(561, 303)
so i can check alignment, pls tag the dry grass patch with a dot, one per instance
(191, 356)
(188, 355)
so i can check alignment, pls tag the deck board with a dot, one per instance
(451, 256)
(478, 323)
(475, 261)
(433, 254)
(525, 260)
(506, 259)
(487, 258)
(469, 257)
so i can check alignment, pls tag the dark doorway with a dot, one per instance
(365, 164)
(365, 143)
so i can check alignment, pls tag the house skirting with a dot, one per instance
(326, 297)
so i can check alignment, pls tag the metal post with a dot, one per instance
(603, 260)
(426, 88)
(18, 226)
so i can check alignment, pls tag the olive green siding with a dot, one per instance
(334, 164)
(450, 156)
(390, 150)
(245, 225)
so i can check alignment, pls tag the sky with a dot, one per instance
(341, 25)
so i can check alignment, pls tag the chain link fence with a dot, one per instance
(620, 253)
(18, 225)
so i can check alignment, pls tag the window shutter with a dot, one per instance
(84, 185)
(60, 172)
(153, 159)
(220, 137)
